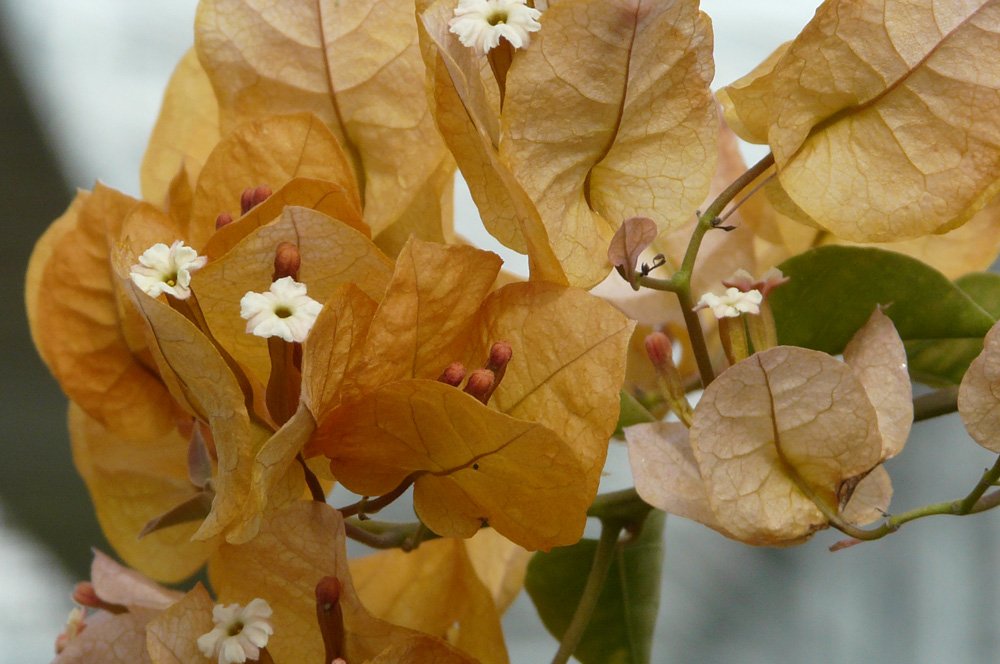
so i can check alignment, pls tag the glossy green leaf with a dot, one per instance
(945, 362)
(621, 629)
(834, 289)
(631, 412)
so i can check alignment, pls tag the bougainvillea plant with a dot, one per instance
(287, 306)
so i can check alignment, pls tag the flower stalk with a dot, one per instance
(680, 282)
(604, 556)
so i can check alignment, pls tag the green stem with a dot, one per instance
(604, 556)
(934, 404)
(706, 221)
(623, 506)
(696, 335)
(988, 479)
(973, 503)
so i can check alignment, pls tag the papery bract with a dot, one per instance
(120, 638)
(977, 397)
(577, 147)
(772, 435)
(435, 590)
(356, 65)
(666, 472)
(296, 547)
(73, 300)
(474, 464)
(878, 358)
(881, 116)
(629, 241)
(272, 151)
(783, 406)
(131, 481)
(171, 637)
(186, 131)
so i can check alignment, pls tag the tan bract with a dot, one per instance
(780, 431)
(356, 66)
(882, 115)
(607, 115)
(296, 547)
(978, 403)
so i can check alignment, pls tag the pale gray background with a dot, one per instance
(95, 71)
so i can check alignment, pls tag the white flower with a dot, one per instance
(163, 269)
(285, 311)
(480, 24)
(732, 303)
(239, 632)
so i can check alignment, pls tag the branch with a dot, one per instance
(973, 503)
(384, 535)
(315, 488)
(367, 505)
(707, 220)
(988, 479)
(934, 404)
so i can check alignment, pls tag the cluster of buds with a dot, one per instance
(249, 199)
(480, 383)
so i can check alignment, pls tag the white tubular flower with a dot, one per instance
(284, 311)
(480, 24)
(163, 269)
(239, 633)
(732, 303)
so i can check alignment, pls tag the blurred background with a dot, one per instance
(80, 86)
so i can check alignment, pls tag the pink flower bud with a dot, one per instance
(480, 384)
(453, 374)
(287, 261)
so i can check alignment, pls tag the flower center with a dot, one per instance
(235, 628)
(282, 312)
(496, 18)
(171, 279)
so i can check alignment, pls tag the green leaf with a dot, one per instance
(834, 289)
(944, 362)
(984, 289)
(621, 629)
(631, 412)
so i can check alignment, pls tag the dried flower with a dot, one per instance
(744, 281)
(480, 24)
(284, 311)
(163, 269)
(239, 633)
